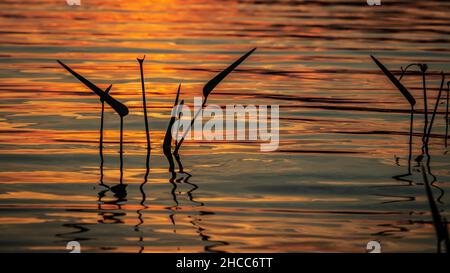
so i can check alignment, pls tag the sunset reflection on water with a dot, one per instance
(343, 126)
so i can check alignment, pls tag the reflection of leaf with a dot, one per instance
(219, 77)
(396, 82)
(120, 108)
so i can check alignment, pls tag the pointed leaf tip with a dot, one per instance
(207, 89)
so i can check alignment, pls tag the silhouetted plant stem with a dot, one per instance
(446, 115)
(121, 150)
(101, 143)
(144, 102)
(179, 125)
(101, 125)
(423, 69)
(177, 147)
(167, 143)
(408, 96)
(411, 126)
(168, 155)
(102, 117)
(425, 102)
(435, 109)
(121, 110)
(101, 136)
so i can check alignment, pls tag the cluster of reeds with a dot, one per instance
(440, 223)
(122, 110)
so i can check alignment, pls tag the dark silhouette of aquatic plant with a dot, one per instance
(409, 97)
(423, 69)
(209, 87)
(144, 102)
(167, 143)
(396, 82)
(446, 115)
(101, 136)
(120, 109)
(430, 127)
(102, 116)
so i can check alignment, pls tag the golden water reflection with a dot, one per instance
(343, 128)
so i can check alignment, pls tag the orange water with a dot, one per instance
(343, 135)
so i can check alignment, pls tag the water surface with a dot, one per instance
(343, 135)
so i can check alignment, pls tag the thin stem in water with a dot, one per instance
(101, 143)
(144, 102)
(177, 147)
(435, 109)
(411, 126)
(425, 107)
(121, 150)
(446, 115)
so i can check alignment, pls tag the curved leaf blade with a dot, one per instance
(120, 108)
(396, 82)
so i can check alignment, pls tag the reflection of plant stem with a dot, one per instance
(174, 208)
(191, 191)
(142, 203)
(433, 182)
(180, 166)
(174, 188)
(439, 225)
